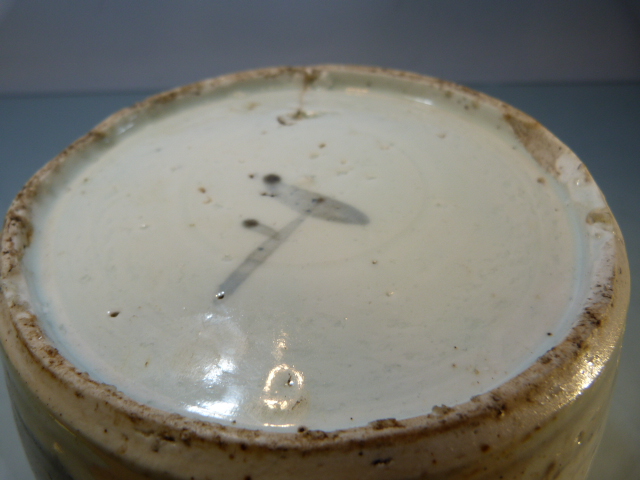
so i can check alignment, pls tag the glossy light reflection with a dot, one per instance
(217, 409)
(283, 388)
(215, 371)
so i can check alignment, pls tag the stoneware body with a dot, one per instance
(109, 398)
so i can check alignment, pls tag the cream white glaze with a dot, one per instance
(468, 267)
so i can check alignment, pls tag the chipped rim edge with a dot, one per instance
(605, 308)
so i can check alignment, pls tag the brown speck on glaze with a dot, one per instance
(185, 437)
(98, 135)
(284, 120)
(541, 180)
(315, 434)
(382, 462)
(600, 215)
(441, 410)
(167, 97)
(250, 223)
(202, 190)
(593, 317)
(310, 75)
(538, 141)
(385, 423)
(549, 470)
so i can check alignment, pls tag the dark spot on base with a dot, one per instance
(385, 423)
(97, 134)
(302, 429)
(382, 462)
(593, 317)
(285, 120)
(550, 468)
(315, 434)
(484, 448)
(271, 179)
(185, 437)
(599, 215)
(250, 223)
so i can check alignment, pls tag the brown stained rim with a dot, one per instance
(556, 366)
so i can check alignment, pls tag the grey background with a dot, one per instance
(97, 45)
(574, 65)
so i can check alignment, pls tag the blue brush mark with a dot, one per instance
(313, 204)
(305, 202)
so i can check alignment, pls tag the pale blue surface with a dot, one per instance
(601, 123)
